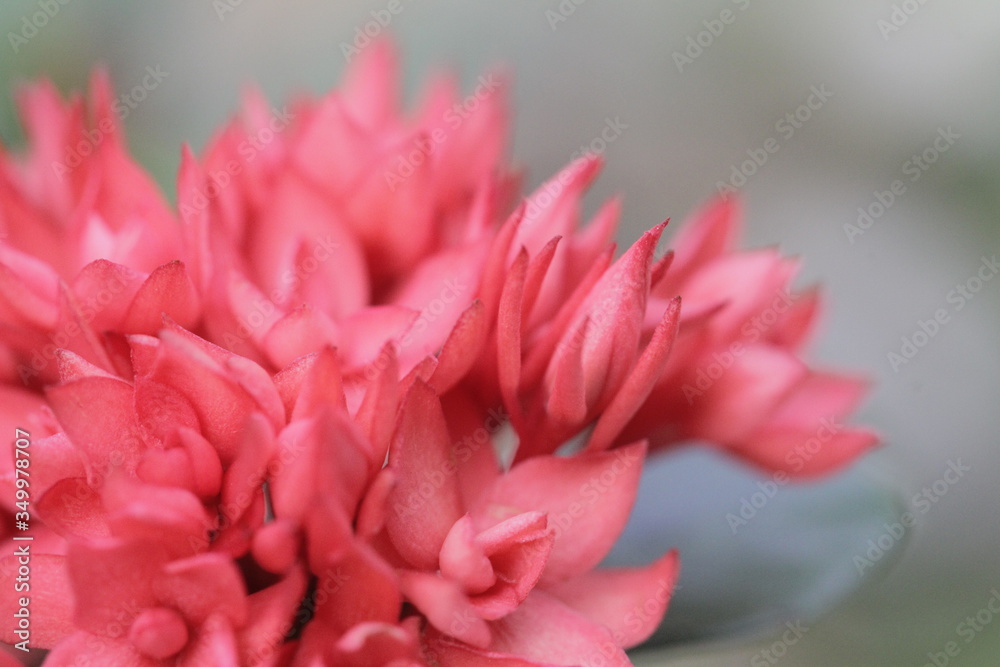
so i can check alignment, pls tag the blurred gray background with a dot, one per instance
(898, 74)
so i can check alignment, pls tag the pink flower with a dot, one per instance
(89, 246)
(339, 221)
(736, 378)
(351, 405)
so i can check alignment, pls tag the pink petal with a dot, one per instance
(518, 549)
(370, 84)
(167, 291)
(366, 332)
(446, 607)
(161, 410)
(322, 385)
(461, 349)
(588, 498)
(616, 309)
(377, 413)
(214, 644)
(372, 513)
(537, 272)
(97, 414)
(449, 652)
(540, 354)
(72, 508)
(425, 501)
(300, 332)
(377, 644)
(105, 290)
(630, 602)
(711, 230)
(807, 452)
(640, 382)
(276, 545)
(112, 582)
(544, 628)
(202, 586)
(745, 394)
(271, 612)
(509, 325)
(248, 471)
(463, 560)
(84, 647)
(568, 382)
(50, 598)
(205, 464)
(356, 587)
(172, 517)
(159, 633)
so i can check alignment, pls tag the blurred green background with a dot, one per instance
(697, 85)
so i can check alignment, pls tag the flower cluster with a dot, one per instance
(350, 401)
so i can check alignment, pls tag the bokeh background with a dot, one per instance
(694, 89)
